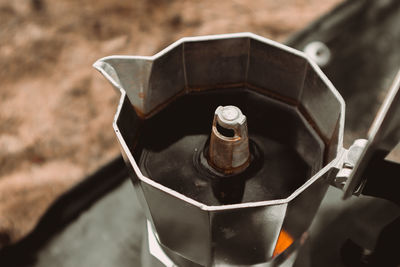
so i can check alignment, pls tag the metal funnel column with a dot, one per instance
(229, 143)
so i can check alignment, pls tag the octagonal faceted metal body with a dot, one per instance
(234, 234)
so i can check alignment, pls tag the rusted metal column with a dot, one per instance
(229, 142)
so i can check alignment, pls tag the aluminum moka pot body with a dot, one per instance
(245, 234)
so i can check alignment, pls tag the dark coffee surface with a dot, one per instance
(174, 140)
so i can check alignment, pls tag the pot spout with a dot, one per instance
(128, 75)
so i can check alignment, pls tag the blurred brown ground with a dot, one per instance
(56, 110)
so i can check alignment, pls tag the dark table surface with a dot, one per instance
(110, 232)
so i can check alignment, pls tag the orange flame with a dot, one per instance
(284, 241)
